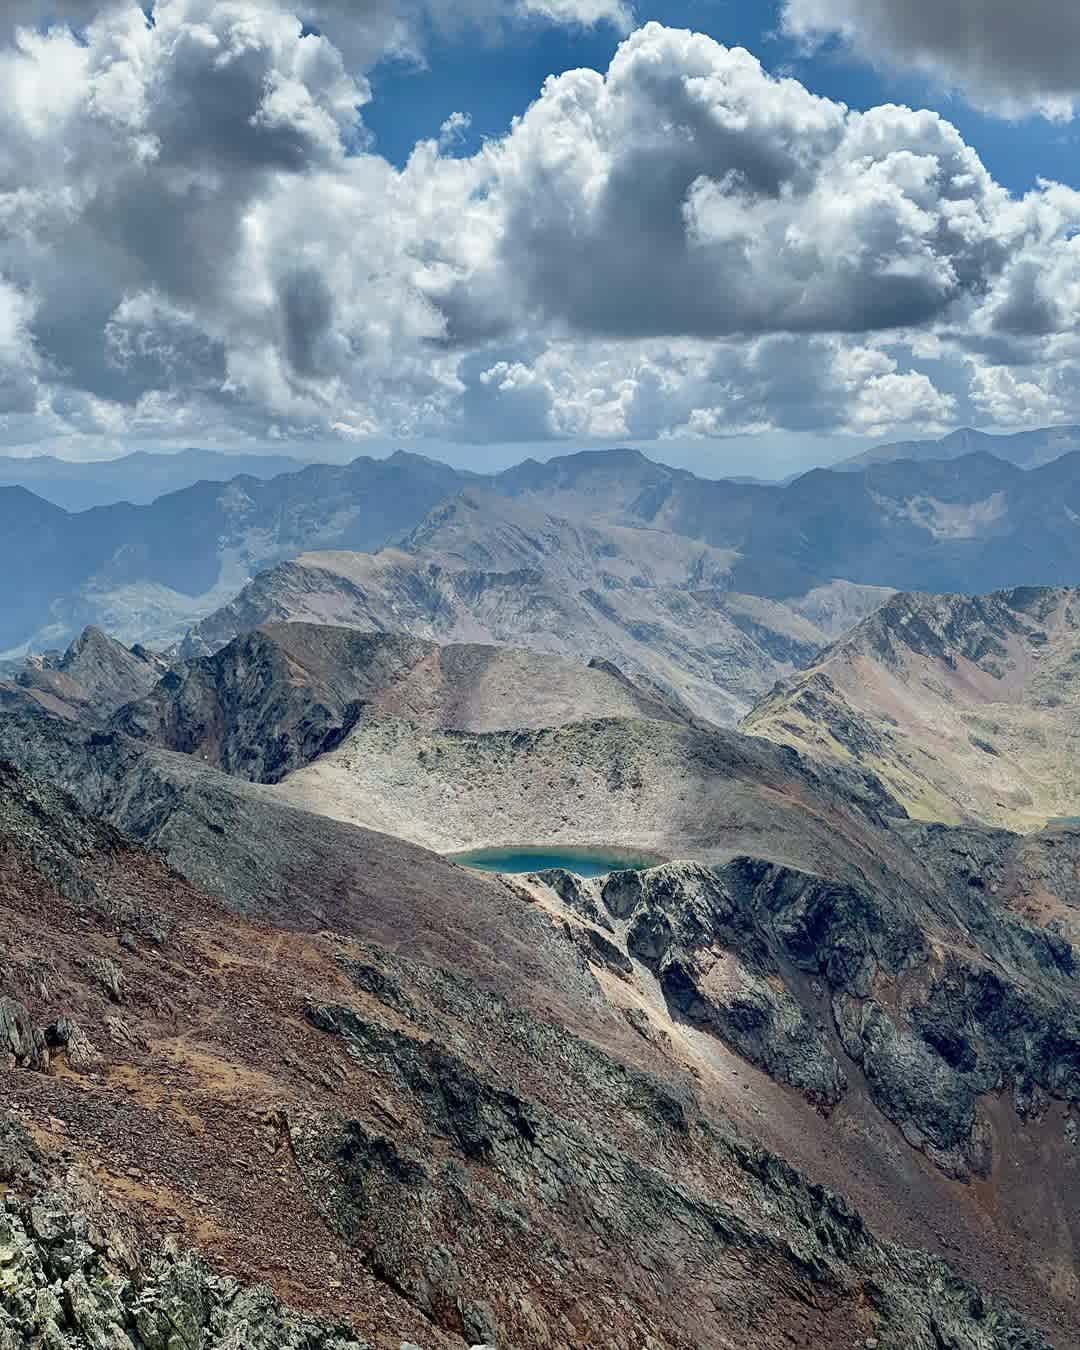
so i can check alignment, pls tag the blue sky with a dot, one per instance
(496, 79)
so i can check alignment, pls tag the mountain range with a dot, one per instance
(712, 590)
(141, 477)
(279, 1026)
(147, 573)
(77, 485)
(483, 568)
(285, 1069)
(1025, 449)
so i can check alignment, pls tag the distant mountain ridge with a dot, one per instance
(144, 573)
(94, 677)
(149, 573)
(1025, 449)
(140, 478)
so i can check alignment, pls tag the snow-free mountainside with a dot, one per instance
(280, 1071)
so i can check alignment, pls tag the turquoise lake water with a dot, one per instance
(585, 862)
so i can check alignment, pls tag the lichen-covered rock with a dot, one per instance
(758, 1018)
(702, 932)
(72, 1039)
(912, 1084)
(728, 946)
(576, 893)
(58, 1290)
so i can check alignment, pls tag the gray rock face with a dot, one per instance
(69, 1036)
(739, 950)
(59, 1290)
(574, 893)
(94, 677)
(914, 1086)
(510, 1160)
(21, 1042)
(718, 970)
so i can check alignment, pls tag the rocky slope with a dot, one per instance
(274, 699)
(487, 1118)
(94, 677)
(65, 1285)
(659, 783)
(655, 786)
(483, 569)
(966, 706)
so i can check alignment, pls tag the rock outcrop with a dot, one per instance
(22, 1044)
(276, 698)
(94, 677)
(61, 1287)
(794, 974)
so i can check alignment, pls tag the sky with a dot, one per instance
(744, 237)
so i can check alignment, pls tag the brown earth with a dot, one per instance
(421, 1107)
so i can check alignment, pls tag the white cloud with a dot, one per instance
(663, 389)
(688, 192)
(19, 362)
(1005, 57)
(1008, 398)
(195, 240)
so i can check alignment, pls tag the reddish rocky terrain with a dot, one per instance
(453, 1119)
(816, 1085)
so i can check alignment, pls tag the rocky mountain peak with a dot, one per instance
(93, 677)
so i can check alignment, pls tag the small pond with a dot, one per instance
(585, 862)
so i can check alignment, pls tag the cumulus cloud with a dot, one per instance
(689, 192)
(18, 359)
(197, 240)
(665, 390)
(363, 30)
(1006, 57)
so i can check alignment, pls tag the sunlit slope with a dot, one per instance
(968, 707)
